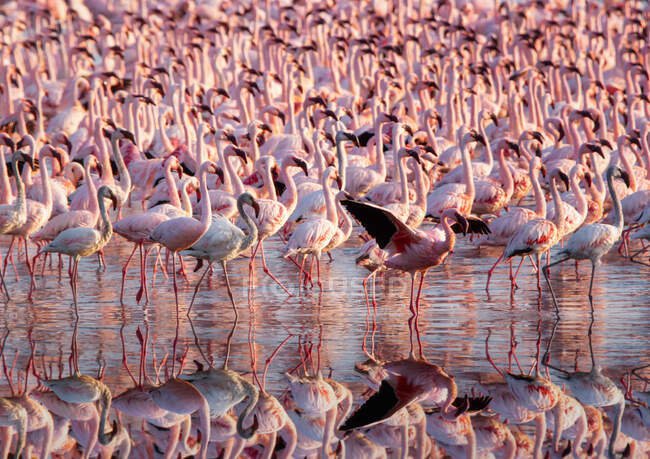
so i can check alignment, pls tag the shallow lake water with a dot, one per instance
(455, 316)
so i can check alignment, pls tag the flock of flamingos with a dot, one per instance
(202, 129)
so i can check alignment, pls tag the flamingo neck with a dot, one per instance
(172, 189)
(581, 198)
(291, 192)
(237, 184)
(626, 163)
(46, 186)
(559, 208)
(227, 181)
(540, 201)
(251, 236)
(403, 181)
(6, 193)
(206, 208)
(379, 152)
(505, 175)
(329, 200)
(125, 178)
(616, 202)
(468, 173)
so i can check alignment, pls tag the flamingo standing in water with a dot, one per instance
(224, 241)
(536, 236)
(272, 214)
(14, 215)
(411, 250)
(592, 242)
(83, 242)
(181, 233)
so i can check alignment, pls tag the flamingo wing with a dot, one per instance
(382, 405)
(381, 224)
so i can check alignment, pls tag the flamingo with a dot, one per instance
(83, 389)
(536, 236)
(82, 242)
(592, 242)
(272, 214)
(313, 235)
(411, 250)
(225, 241)
(179, 233)
(458, 196)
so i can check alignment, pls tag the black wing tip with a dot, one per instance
(378, 407)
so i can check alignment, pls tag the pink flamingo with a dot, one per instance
(592, 242)
(83, 242)
(273, 214)
(180, 233)
(537, 236)
(411, 250)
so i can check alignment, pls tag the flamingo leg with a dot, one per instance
(8, 256)
(177, 312)
(198, 284)
(417, 298)
(143, 275)
(548, 281)
(513, 279)
(591, 283)
(125, 269)
(268, 272)
(232, 299)
(491, 271)
(320, 284)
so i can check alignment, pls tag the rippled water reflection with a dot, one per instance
(456, 315)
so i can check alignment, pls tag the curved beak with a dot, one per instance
(241, 153)
(542, 169)
(414, 154)
(302, 164)
(22, 143)
(219, 172)
(626, 178)
(128, 135)
(339, 181)
(463, 222)
(28, 159)
(256, 207)
(479, 138)
(588, 179)
(564, 178)
(266, 127)
(494, 118)
(606, 143)
(538, 136)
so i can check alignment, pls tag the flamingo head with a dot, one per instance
(248, 199)
(559, 175)
(106, 192)
(617, 172)
(301, 163)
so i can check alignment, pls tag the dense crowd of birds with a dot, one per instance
(212, 127)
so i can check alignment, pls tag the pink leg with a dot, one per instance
(177, 313)
(513, 280)
(198, 284)
(320, 284)
(143, 276)
(268, 271)
(417, 300)
(490, 271)
(125, 269)
(8, 256)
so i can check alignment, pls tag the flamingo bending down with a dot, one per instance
(82, 242)
(223, 242)
(592, 242)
